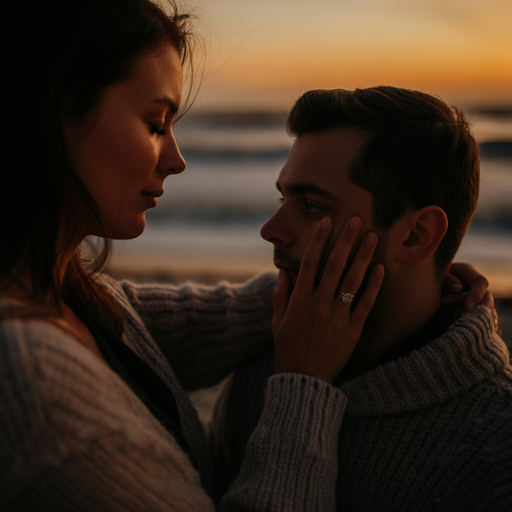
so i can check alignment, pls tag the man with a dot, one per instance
(429, 397)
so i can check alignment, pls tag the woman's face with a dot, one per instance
(123, 152)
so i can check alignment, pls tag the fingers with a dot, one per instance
(479, 286)
(452, 285)
(339, 256)
(369, 295)
(311, 334)
(359, 266)
(488, 301)
(281, 297)
(312, 256)
(463, 271)
(473, 281)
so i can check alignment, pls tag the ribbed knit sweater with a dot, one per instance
(74, 437)
(429, 431)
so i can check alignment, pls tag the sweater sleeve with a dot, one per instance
(273, 439)
(291, 458)
(204, 331)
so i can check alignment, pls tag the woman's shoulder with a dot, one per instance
(44, 372)
(62, 409)
(41, 368)
(39, 360)
(21, 328)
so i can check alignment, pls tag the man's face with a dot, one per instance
(314, 183)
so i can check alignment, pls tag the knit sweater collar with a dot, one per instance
(468, 353)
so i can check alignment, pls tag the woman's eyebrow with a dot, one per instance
(173, 108)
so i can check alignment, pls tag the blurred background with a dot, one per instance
(258, 58)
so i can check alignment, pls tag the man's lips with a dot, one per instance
(293, 274)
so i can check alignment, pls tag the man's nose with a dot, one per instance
(275, 229)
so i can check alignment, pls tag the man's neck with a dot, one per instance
(400, 312)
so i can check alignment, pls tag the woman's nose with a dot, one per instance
(171, 160)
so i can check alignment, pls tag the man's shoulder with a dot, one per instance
(496, 391)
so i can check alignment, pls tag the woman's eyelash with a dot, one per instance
(154, 129)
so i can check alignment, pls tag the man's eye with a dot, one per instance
(280, 200)
(312, 208)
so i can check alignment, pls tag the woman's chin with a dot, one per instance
(128, 231)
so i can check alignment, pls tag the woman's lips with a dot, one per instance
(150, 197)
(150, 201)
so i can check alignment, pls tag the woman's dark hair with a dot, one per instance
(419, 152)
(64, 56)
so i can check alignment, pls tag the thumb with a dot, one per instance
(452, 285)
(281, 298)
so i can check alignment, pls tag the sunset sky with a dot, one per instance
(280, 48)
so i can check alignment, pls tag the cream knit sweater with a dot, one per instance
(73, 436)
(430, 431)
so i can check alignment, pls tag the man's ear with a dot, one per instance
(422, 232)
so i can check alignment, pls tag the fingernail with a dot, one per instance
(457, 287)
(471, 306)
(326, 222)
(355, 222)
(379, 270)
(370, 239)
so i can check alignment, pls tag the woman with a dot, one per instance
(93, 416)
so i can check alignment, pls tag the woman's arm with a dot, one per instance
(204, 331)
(208, 331)
(290, 462)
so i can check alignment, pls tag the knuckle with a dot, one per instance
(365, 303)
(333, 268)
(319, 234)
(347, 238)
(351, 284)
(363, 256)
(308, 263)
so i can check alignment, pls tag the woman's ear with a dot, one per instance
(424, 230)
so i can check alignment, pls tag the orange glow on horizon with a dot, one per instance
(333, 70)
(285, 45)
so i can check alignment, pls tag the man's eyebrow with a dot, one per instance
(308, 188)
(173, 108)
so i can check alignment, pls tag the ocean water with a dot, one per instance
(213, 211)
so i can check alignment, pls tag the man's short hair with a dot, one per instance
(419, 152)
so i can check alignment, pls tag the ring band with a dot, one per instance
(346, 297)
